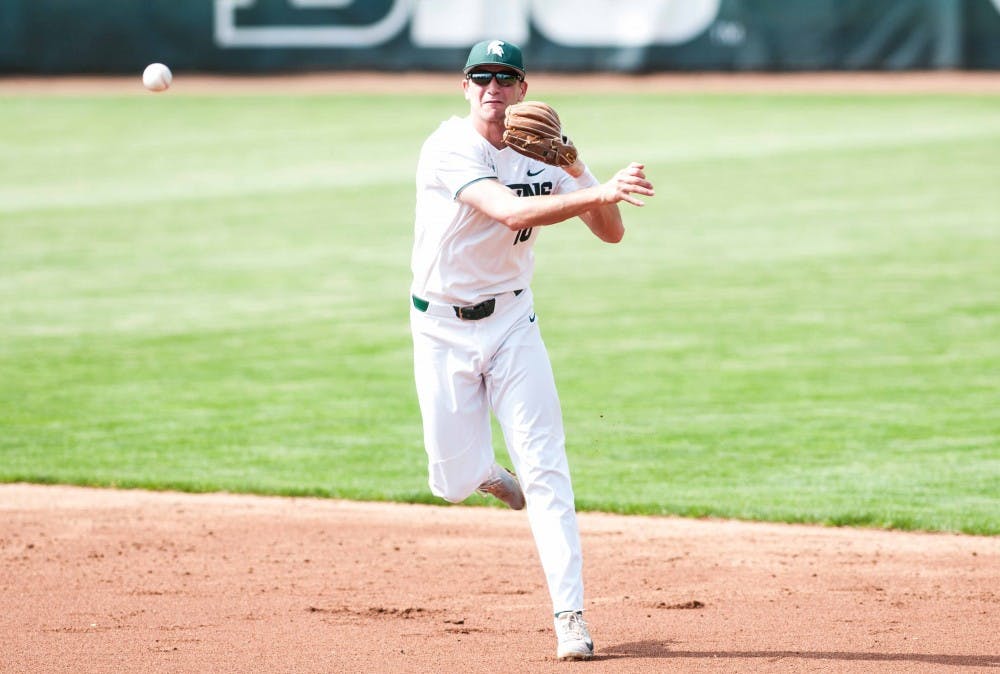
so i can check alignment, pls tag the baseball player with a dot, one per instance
(477, 347)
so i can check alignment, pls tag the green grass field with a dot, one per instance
(210, 293)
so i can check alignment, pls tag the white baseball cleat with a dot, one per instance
(503, 484)
(574, 639)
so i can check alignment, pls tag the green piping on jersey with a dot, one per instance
(473, 181)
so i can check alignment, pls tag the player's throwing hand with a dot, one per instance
(628, 182)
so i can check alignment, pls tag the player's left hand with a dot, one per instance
(532, 128)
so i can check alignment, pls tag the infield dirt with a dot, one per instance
(130, 581)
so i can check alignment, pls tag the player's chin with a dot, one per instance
(495, 106)
(493, 112)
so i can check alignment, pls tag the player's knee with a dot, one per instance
(453, 496)
(455, 480)
(451, 492)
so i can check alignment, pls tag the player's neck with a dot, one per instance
(491, 131)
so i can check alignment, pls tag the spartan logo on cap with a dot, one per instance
(495, 47)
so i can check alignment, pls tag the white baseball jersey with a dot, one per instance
(460, 255)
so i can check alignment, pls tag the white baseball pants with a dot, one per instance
(464, 369)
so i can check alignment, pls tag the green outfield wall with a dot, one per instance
(109, 36)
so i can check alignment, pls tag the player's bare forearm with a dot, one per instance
(599, 203)
(516, 213)
(605, 222)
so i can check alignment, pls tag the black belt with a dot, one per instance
(473, 312)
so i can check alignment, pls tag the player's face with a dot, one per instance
(488, 99)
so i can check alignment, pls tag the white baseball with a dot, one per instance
(156, 77)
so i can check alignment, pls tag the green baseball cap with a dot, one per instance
(495, 52)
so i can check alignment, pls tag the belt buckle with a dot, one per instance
(477, 311)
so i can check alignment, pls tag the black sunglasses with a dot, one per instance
(505, 78)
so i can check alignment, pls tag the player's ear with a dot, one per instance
(467, 91)
(524, 90)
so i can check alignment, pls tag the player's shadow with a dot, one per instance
(662, 649)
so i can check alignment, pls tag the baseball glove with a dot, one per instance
(533, 129)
